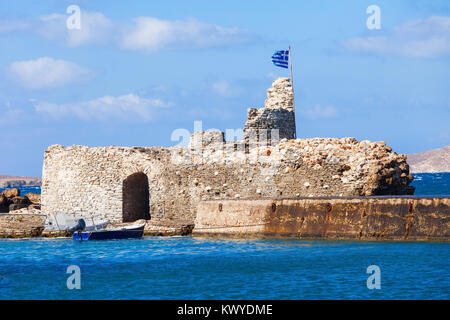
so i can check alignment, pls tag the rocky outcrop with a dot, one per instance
(4, 205)
(6, 199)
(20, 200)
(437, 160)
(10, 200)
(371, 168)
(11, 193)
(23, 223)
(34, 198)
(19, 203)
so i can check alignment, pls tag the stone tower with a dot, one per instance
(278, 113)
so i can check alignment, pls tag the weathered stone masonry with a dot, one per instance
(92, 181)
(278, 113)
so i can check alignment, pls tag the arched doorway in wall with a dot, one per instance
(135, 198)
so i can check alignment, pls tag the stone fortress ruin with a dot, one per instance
(124, 184)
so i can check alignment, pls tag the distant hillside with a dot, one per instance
(437, 160)
(7, 181)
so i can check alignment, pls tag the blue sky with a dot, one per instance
(138, 70)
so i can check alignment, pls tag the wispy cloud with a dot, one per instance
(130, 107)
(152, 34)
(146, 34)
(420, 38)
(320, 112)
(46, 73)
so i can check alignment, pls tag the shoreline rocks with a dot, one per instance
(11, 200)
(28, 222)
(18, 225)
(33, 198)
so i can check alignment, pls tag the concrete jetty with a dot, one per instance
(353, 218)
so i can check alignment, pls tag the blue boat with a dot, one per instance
(133, 231)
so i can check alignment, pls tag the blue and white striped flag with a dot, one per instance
(281, 58)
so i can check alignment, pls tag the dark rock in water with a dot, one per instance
(3, 200)
(17, 206)
(4, 204)
(20, 200)
(411, 190)
(33, 197)
(11, 200)
(11, 193)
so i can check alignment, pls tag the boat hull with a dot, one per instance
(109, 234)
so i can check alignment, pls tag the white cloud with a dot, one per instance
(95, 29)
(146, 34)
(319, 111)
(46, 72)
(421, 38)
(151, 34)
(128, 107)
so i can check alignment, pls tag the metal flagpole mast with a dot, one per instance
(293, 97)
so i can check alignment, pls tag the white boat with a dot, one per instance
(64, 222)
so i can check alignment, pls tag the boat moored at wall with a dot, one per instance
(126, 232)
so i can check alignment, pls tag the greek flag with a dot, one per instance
(281, 58)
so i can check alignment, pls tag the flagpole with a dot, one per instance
(293, 97)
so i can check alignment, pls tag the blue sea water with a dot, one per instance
(25, 190)
(190, 268)
(432, 184)
(195, 268)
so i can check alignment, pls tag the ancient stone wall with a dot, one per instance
(90, 181)
(93, 181)
(278, 113)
